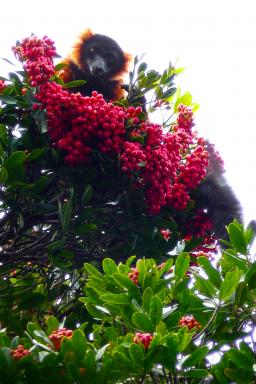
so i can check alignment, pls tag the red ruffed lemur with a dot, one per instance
(99, 61)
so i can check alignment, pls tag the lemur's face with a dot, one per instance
(101, 57)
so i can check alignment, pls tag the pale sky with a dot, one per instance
(214, 40)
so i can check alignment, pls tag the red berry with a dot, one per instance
(143, 338)
(19, 352)
(57, 336)
(189, 322)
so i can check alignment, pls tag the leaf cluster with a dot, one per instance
(103, 350)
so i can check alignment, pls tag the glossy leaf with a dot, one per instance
(196, 356)
(118, 298)
(181, 265)
(237, 238)
(15, 160)
(212, 273)
(142, 322)
(229, 284)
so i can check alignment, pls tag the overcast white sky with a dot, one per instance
(214, 40)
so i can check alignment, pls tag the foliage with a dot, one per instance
(75, 306)
(218, 348)
(60, 206)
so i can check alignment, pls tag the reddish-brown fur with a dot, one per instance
(75, 57)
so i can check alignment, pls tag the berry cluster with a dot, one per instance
(78, 124)
(38, 54)
(179, 196)
(2, 85)
(194, 171)
(165, 165)
(199, 226)
(143, 338)
(20, 352)
(57, 336)
(190, 322)
(134, 275)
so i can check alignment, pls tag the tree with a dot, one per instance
(86, 181)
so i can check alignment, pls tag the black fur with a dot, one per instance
(217, 198)
(100, 58)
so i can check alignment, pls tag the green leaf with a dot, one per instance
(185, 99)
(15, 159)
(94, 311)
(109, 266)
(239, 376)
(181, 265)
(237, 239)
(220, 377)
(130, 260)
(250, 233)
(16, 174)
(79, 343)
(4, 339)
(74, 84)
(195, 358)
(228, 286)
(231, 260)
(247, 352)
(115, 298)
(35, 154)
(91, 270)
(64, 214)
(89, 359)
(169, 93)
(52, 324)
(88, 193)
(170, 353)
(32, 300)
(126, 282)
(250, 277)
(146, 298)
(73, 371)
(41, 336)
(141, 267)
(196, 373)
(84, 229)
(152, 357)
(212, 273)
(8, 99)
(6, 360)
(3, 134)
(156, 310)
(142, 322)
(3, 175)
(205, 286)
(142, 67)
(183, 339)
(173, 319)
(121, 359)
(136, 354)
(239, 359)
(15, 342)
(60, 66)
(241, 293)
